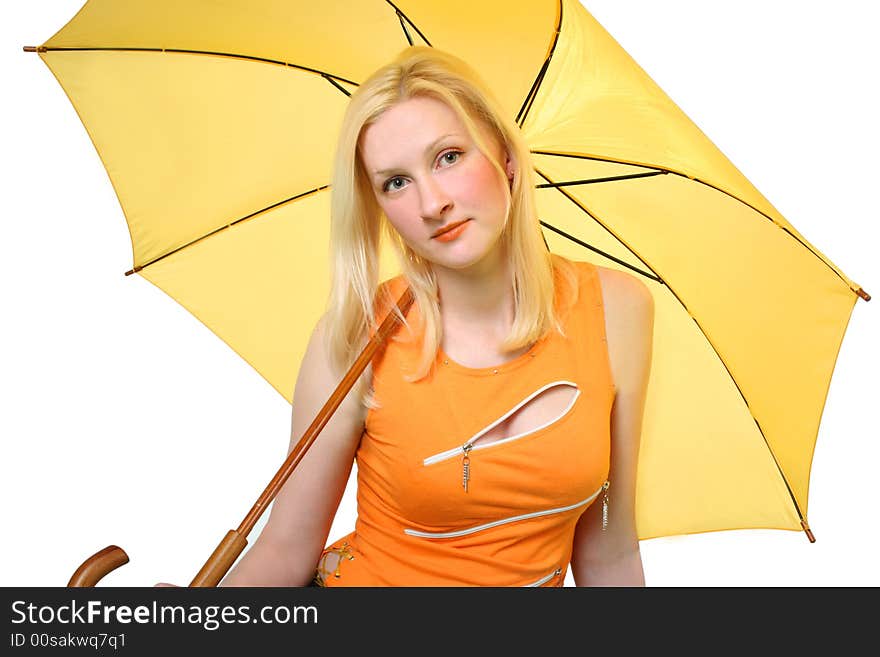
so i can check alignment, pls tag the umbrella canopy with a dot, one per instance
(216, 123)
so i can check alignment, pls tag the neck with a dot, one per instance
(479, 298)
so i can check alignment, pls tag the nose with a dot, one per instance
(433, 198)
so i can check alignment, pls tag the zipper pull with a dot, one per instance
(465, 465)
(605, 505)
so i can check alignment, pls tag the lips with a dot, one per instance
(446, 229)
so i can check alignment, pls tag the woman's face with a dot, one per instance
(428, 174)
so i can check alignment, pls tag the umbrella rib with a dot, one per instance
(335, 84)
(589, 181)
(533, 92)
(700, 328)
(265, 60)
(403, 27)
(717, 189)
(558, 186)
(401, 16)
(222, 228)
(622, 263)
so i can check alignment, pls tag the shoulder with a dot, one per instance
(620, 289)
(624, 291)
(319, 378)
(629, 325)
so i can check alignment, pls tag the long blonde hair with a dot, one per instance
(357, 219)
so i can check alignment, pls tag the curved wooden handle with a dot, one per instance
(99, 564)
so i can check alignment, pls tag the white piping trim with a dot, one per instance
(546, 578)
(503, 521)
(455, 451)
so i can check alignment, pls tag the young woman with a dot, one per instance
(496, 433)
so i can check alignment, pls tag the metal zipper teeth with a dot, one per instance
(546, 578)
(455, 451)
(503, 521)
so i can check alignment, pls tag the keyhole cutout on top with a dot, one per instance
(546, 407)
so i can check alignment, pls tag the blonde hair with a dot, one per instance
(357, 219)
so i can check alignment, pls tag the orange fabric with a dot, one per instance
(514, 525)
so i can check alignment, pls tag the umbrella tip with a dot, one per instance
(35, 48)
(809, 533)
(863, 294)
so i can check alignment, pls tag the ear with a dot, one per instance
(509, 168)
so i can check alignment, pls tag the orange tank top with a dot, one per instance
(449, 491)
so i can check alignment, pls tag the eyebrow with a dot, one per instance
(428, 148)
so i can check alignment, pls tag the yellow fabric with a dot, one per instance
(220, 157)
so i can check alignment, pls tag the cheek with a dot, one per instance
(479, 185)
(401, 217)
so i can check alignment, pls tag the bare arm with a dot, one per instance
(288, 548)
(612, 557)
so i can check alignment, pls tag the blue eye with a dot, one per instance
(387, 186)
(391, 180)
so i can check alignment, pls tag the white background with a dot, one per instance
(125, 421)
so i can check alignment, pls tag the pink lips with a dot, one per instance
(452, 233)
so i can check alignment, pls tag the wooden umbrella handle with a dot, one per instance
(232, 545)
(96, 566)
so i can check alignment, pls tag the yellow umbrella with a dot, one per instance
(216, 126)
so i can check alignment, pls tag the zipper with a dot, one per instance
(605, 505)
(465, 449)
(503, 521)
(546, 578)
(466, 465)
